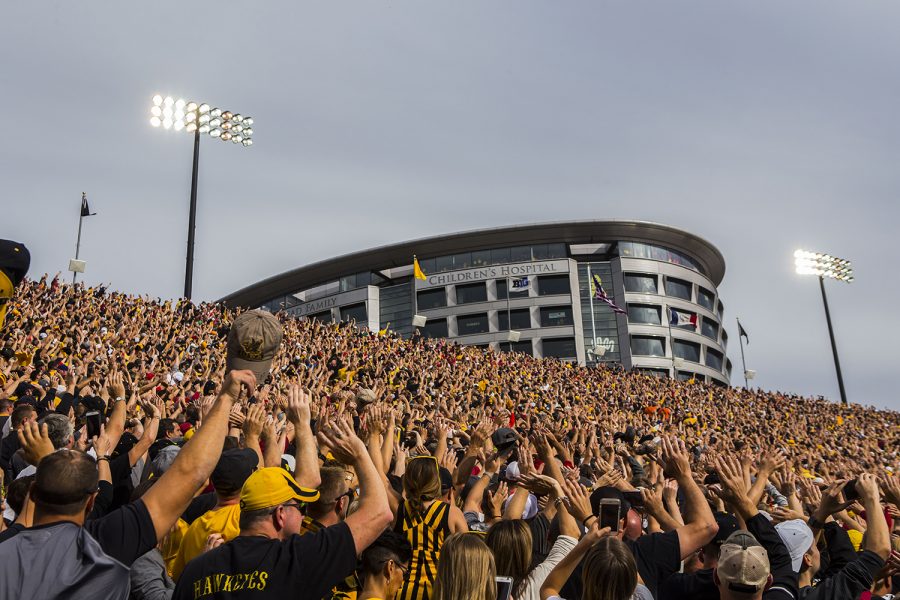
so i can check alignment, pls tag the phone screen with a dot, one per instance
(504, 588)
(92, 419)
(609, 513)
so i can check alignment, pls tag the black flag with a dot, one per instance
(85, 209)
(742, 333)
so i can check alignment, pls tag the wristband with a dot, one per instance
(120, 398)
(585, 520)
(814, 523)
(104, 457)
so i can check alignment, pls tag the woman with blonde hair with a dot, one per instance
(466, 570)
(425, 521)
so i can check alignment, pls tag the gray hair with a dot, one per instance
(59, 428)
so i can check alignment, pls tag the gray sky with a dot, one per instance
(761, 126)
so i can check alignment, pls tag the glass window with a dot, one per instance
(647, 346)
(481, 258)
(355, 312)
(435, 298)
(559, 347)
(686, 350)
(660, 373)
(556, 250)
(520, 254)
(686, 375)
(705, 298)
(469, 324)
(523, 346)
(443, 263)
(471, 292)
(724, 338)
(521, 319)
(714, 359)
(501, 290)
(720, 310)
(643, 313)
(499, 256)
(640, 284)
(428, 265)
(435, 328)
(324, 316)
(540, 252)
(363, 279)
(551, 285)
(710, 329)
(556, 316)
(678, 288)
(462, 261)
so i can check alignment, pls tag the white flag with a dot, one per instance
(520, 284)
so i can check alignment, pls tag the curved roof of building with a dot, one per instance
(400, 254)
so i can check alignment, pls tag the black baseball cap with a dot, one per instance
(233, 469)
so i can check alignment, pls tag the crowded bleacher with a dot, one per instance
(167, 449)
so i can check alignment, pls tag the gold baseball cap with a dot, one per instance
(272, 486)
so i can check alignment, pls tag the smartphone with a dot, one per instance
(92, 419)
(504, 588)
(634, 498)
(610, 509)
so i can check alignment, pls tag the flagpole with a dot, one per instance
(78, 242)
(593, 325)
(508, 318)
(743, 362)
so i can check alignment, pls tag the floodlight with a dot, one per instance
(169, 101)
(157, 100)
(826, 266)
(155, 121)
(156, 111)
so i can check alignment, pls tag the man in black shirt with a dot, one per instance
(700, 585)
(269, 559)
(92, 557)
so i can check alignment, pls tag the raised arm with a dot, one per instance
(169, 498)
(374, 514)
(699, 523)
(298, 413)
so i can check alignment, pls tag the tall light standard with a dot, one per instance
(825, 265)
(198, 118)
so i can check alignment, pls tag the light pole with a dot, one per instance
(825, 265)
(198, 119)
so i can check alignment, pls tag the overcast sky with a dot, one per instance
(761, 126)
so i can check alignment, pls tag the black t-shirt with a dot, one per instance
(657, 555)
(125, 534)
(10, 531)
(301, 567)
(199, 506)
(694, 586)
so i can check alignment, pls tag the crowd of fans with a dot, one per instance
(140, 460)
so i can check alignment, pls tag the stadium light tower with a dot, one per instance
(825, 265)
(198, 118)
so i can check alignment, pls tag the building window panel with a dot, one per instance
(355, 312)
(520, 254)
(706, 298)
(640, 284)
(521, 319)
(686, 350)
(435, 328)
(436, 298)
(678, 288)
(644, 313)
(556, 316)
(472, 324)
(648, 346)
(552, 285)
(481, 258)
(324, 316)
(523, 346)
(471, 292)
(559, 347)
(710, 329)
(714, 359)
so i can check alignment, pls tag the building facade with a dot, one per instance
(534, 289)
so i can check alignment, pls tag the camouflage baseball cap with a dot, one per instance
(253, 342)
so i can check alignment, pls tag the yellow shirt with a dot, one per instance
(223, 520)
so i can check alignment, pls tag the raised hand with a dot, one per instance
(35, 442)
(675, 459)
(298, 405)
(254, 420)
(338, 435)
